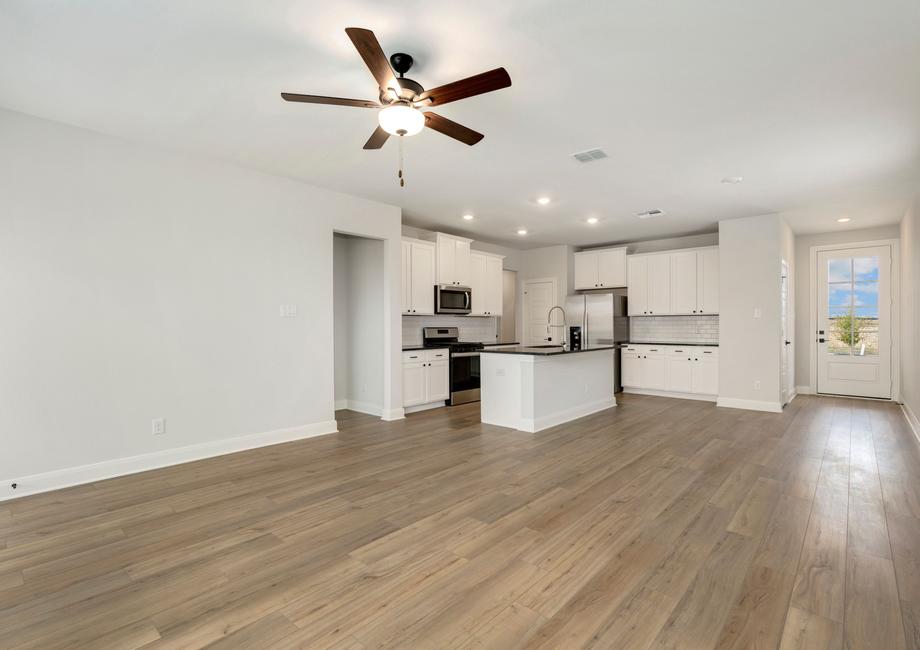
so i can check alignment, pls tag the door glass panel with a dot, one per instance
(839, 270)
(852, 298)
(865, 269)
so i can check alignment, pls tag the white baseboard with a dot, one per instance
(668, 393)
(341, 404)
(749, 404)
(423, 407)
(912, 420)
(71, 476)
(364, 407)
(804, 390)
(393, 414)
(533, 425)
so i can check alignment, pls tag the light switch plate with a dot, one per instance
(158, 426)
(757, 312)
(288, 311)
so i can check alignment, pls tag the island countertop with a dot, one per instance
(548, 351)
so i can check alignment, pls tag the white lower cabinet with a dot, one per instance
(426, 376)
(680, 369)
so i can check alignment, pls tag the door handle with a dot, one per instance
(788, 342)
(820, 340)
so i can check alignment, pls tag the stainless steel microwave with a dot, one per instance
(452, 299)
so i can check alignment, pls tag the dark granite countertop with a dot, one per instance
(411, 348)
(490, 345)
(706, 345)
(547, 352)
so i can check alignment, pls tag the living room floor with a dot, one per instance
(660, 523)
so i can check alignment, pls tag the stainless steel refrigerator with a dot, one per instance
(603, 320)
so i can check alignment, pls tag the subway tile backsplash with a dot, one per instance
(472, 328)
(674, 329)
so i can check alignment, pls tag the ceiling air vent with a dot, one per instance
(589, 155)
(648, 214)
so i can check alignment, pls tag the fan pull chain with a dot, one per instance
(402, 181)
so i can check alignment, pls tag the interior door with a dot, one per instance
(854, 321)
(539, 296)
(786, 362)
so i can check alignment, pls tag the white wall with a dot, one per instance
(803, 298)
(139, 284)
(547, 262)
(750, 258)
(910, 312)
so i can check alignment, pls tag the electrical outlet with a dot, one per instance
(757, 384)
(757, 312)
(158, 426)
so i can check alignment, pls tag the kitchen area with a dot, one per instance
(631, 320)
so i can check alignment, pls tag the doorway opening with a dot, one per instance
(358, 314)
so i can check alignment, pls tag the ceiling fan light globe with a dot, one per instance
(400, 119)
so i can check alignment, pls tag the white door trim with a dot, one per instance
(525, 334)
(895, 246)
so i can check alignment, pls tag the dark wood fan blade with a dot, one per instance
(378, 137)
(369, 49)
(334, 101)
(452, 129)
(476, 85)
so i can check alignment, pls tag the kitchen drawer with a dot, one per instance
(707, 352)
(414, 356)
(441, 354)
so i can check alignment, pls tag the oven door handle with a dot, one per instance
(457, 355)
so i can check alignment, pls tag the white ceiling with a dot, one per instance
(815, 103)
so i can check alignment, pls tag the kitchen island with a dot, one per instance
(534, 388)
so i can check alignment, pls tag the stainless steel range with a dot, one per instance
(464, 362)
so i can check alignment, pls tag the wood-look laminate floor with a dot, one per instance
(661, 523)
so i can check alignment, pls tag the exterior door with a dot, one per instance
(854, 321)
(539, 297)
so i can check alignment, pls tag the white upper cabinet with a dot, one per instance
(486, 284)
(707, 278)
(683, 283)
(418, 277)
(659, 284)
(453, 260)
(600, 269)
(637, 294)
(674, 283)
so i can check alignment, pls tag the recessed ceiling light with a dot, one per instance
(733, 180)
(843, 219)
(543, 200)
(522, 231)
(468, 217)
(592, 220)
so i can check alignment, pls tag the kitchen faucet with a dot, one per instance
(549, 323)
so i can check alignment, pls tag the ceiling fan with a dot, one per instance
(402, 100)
